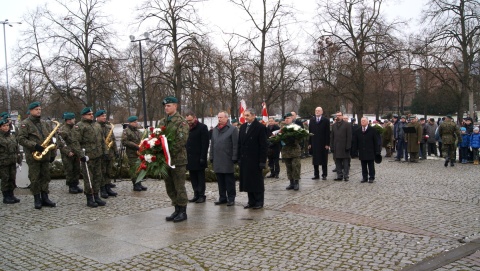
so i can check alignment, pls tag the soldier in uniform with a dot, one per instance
(449, 132)
(175, 181)
(88, 143)
(291, 153)
(71, 162)
(413, 139)
(9, 155)
(131, 140)
(32, 133)
(106, 127)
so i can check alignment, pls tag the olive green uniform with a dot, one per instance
(449, 132)
(71, 164)
(131, 139)
(291, 153)
(413, 147)
(175, 181)
(88, 135)
(9, 155)
(34, 131)
(107, 163)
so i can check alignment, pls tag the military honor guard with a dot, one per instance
(9, 156)
(35, 135)
(71, 162)
(131, 138)
(291, 153)
(88, 143)
(111, 145)
(175, 181)
(449, 133)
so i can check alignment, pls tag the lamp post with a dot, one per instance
(6, 22)
(132, 39)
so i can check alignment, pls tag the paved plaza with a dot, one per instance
(414, 217)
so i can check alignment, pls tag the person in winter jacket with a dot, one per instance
(464, 145)
(475, 144)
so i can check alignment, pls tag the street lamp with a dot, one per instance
(132, 39)
(6, 22)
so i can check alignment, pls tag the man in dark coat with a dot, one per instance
(273, 152)
(252, 150)
(197, 150)
(366, 138)
(319, 143)
(355, 127)
(340, 143)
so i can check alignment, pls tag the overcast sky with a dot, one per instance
(219, 13)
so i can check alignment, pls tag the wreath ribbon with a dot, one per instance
(166, 151)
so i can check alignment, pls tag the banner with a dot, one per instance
(264, 112)
(243, 106)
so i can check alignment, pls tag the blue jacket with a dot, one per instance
(465, 141)
(475, 140)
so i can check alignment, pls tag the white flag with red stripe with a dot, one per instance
(264, 112)
(243, 106)
(166, 151)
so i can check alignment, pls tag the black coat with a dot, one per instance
(368, 143)
(273, 148)
(320, 139)
(197, 147)
(252, 153)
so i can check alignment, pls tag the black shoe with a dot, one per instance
(144, 188)
(259, 206)
(137, 187)
(316, 178)
(338, 179)
(73, 190)
(324, 178)
(370, 181)
(230, 203)
(46, 201)
(112, 185)
(276, 176)
(397, 159)
(248, 206)
(91, 202)
(182, 214)
(173, 215)
(296, 185)
(201, 199)
(346, 179)
(194, 199)
(103, 192)
(110, 192)
(290, 187)
(364, 181)
(334, 170)
(452, 164)
(98, 200)
(17, 200)
(220, 202)
(446, 163)
(37, 201)
(7, 199)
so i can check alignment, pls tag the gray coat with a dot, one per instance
(431, 129)
(341, 139)
(223, 149)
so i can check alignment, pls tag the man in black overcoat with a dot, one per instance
(197, 149)
(252, 151)
(319, 143)
(366, 139)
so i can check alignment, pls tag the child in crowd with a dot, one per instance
(475, 144)
(464, 145)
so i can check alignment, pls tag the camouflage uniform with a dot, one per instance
(131, 139)
(71, 164)
(34, 131)
(88, 135)
(291, 153)
(9, 155)
(112, 153)
(449, 132)
(175, 182)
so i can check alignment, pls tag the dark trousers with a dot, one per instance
(463, 153)
(197, 178)
(316, 170)
(440, 148)
(402, 149)
(255, 198)
(475, 153)
(432, 149)
(368, 169)
(343, 167)
(423, 150)
(226, 186)
(274, 164)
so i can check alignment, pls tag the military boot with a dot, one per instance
(73, 189)
(109, 190)
(13, 196)
(7, 199)
(174, 214)
(46, 201)
(91, 202)
(452, 163)
(103, 192)
(290, 187)
(182, 214)
(98, 200)
(446, 162)
(296, 185)
(144, 188)
(37, 201)
(137, 187)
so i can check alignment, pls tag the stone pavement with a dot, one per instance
(410, 215)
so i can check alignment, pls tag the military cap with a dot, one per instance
(3, 121)
(33, 105)
(403, 117)
(100, 112)
(278, 120)
(170, 100)
(234, 121)
(68, 115)
(132, 118)
(449, 116)
(3, 114)
(86, 110)
(288, 115)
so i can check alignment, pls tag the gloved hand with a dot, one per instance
(203, 163)
(39, 148)
(52, 159)
(262, 166)
(84, 159)
(106, 157)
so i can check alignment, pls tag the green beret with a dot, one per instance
(170, 100)
(132, 118)
(33, 105)
(234, 120)
(68, 115)
(86, 110)
(100, 112)
(3, 114)
(288, 115)
(449, 116)
(3, 121)
(278, 120)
